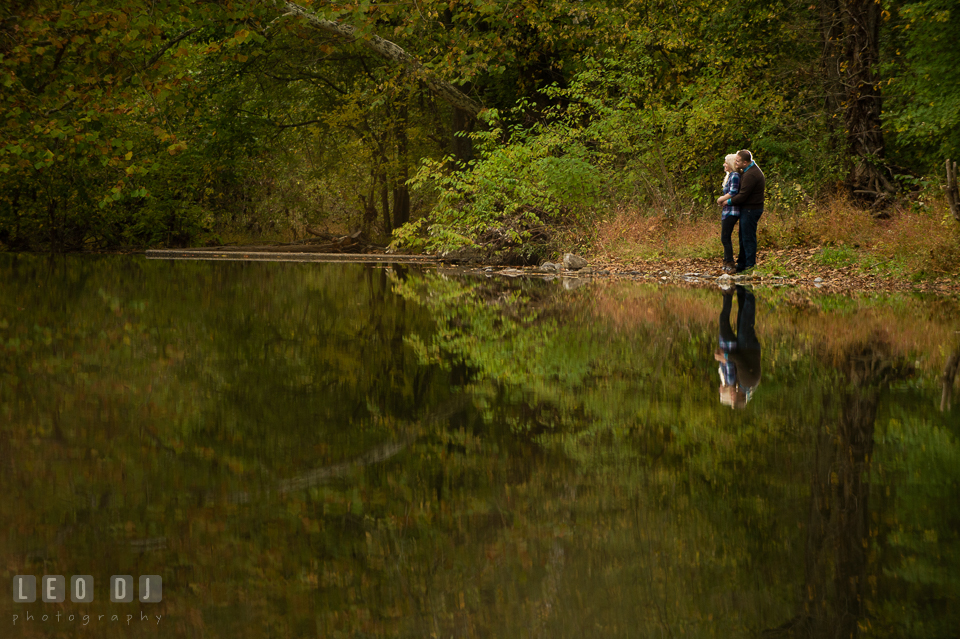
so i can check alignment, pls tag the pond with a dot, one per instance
(348, 450)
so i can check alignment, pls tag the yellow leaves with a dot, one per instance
(177, 147)
(239, 38)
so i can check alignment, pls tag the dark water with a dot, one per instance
(308, 450)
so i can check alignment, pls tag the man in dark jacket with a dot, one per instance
(750, 201)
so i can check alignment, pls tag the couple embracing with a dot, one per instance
(742, 201)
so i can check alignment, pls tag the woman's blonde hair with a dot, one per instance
(731, 160)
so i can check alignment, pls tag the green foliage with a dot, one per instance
(776, 266)
(923, 82)
(141, 123)
(504, 198)
(615, 132)
(836, 256)
(90, 118)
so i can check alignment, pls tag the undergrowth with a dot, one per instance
(919, 242)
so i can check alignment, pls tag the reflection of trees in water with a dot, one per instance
(837, 549)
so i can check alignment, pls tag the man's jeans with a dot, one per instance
(749, 218)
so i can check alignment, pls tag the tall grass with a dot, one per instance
(923, 241)
(631, 233)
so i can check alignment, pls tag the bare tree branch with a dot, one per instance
(390, 51)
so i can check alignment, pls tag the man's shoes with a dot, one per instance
(729, 268)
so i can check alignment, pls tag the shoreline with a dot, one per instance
(778, 268)
(781, 268)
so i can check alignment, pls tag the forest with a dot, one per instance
(513, 127)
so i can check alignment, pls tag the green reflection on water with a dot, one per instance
(339, 450)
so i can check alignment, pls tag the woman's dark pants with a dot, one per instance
(726, 233)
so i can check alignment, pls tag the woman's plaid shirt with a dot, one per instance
(732, 187)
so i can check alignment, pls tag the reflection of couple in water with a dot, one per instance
(738, 354)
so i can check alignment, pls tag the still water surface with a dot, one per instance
(322, 450)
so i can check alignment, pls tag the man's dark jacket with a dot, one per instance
(752, 183)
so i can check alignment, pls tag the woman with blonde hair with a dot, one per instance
(729, 214)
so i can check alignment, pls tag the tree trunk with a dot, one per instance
(861, 52)
(401, 194)
(831, 35)
(54, 227)
(462, 145)
(369, 212)
(953, 193)
(385, 204)
(392, 52)
(401, 204)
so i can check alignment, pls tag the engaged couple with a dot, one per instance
(742, 201)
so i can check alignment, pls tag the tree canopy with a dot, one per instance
(164, 123)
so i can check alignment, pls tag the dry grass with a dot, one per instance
(921, 242)
(632, 234)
